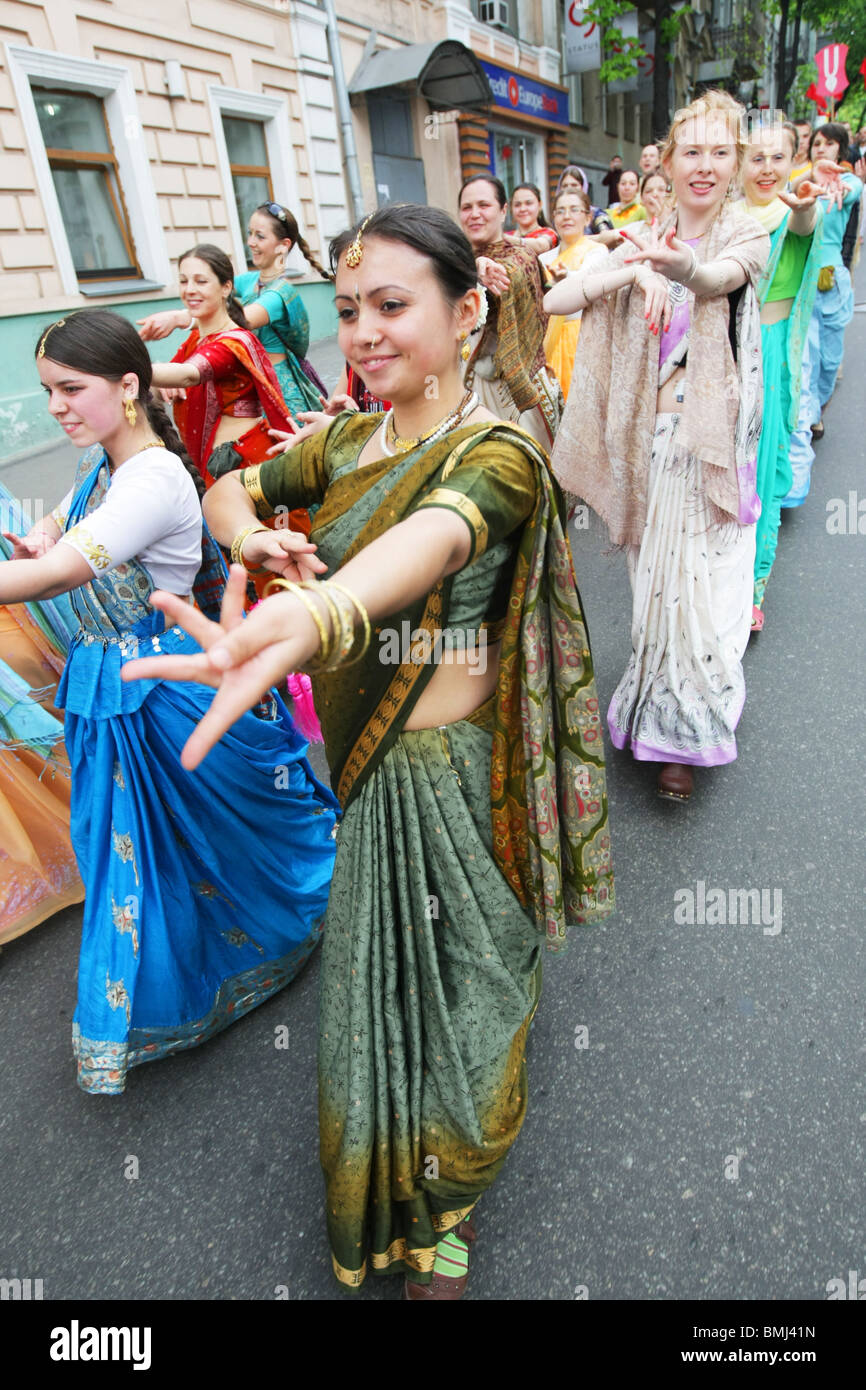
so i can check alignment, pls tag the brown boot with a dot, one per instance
(442, 1286)
(675, 782)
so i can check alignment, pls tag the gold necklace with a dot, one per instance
(402, 445)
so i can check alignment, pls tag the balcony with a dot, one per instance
(741, 45)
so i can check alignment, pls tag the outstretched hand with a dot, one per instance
(492, 275)
(285, 552)
(29, 547)
(828, 176)
(240, 659)
(665, 254)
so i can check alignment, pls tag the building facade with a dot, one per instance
(132, 129)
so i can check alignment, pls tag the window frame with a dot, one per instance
(107, 162)
(273, 113)
(33, 67)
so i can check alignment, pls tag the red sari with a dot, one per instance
(238, 380)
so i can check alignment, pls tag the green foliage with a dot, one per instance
(621, 55)
(671, 25)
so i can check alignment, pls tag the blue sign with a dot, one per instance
(526, 96)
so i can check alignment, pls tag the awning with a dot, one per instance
(447, 73)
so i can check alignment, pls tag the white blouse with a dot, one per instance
(151, 513)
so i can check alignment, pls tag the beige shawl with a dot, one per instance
(604, 443)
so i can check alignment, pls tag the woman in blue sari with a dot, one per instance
(204, 895)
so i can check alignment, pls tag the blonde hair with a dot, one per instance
(713, 103)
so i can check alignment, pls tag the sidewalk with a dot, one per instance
(41, 478)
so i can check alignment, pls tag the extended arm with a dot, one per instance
(175, 374)
(56, 572)
(243, 659)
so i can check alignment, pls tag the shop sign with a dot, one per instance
(526, 96)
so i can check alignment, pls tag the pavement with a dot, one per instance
(701, 1139)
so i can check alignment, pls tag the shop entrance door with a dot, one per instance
(517, 157)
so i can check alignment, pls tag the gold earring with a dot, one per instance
(465, 347)
(130, 411)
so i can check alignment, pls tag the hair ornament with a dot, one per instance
(58, 324)
(355, 252)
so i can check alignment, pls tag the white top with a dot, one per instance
(151, 512)
(595, 257)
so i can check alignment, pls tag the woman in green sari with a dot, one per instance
(464, 741)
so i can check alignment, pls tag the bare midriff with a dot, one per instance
(457, 688)
(775, 311)
(232, 427)
(666, 401)
(277, 356)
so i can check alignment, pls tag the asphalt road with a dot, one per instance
(706, 1143)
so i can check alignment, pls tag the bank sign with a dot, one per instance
(525, 96)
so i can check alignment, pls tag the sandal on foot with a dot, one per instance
(818, 430)
(757, 618)
(675, 782)
(444, 1287)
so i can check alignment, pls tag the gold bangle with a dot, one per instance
(364, 615)
(342, 623)
(236, 553)
(325, 641)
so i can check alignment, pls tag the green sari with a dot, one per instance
(462, 848)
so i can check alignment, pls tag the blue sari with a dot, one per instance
(206, 890)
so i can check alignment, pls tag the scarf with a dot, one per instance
(770, 215)
(516, 324)
(604, 445)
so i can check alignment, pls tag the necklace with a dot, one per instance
(154, 444)
(451, 421)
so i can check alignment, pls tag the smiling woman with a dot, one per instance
(221, 380)
(507, 367)
(450, 872)
(660, 438)
(174, 946)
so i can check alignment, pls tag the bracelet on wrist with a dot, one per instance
(236, 552)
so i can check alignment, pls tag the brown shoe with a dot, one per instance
(675, 782)
(818, 430)
(442, 1286)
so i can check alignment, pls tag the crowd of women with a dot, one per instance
(648, 360)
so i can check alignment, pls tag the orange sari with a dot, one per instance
(38, 872)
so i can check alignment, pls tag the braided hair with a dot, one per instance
(285, 227)
(100, 343)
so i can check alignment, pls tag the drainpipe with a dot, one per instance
(344, 111)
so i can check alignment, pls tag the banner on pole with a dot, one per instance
(582, 39)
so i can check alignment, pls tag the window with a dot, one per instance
(84, 169)
(248, 162)
(256, 160)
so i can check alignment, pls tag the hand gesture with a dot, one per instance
(240, 659)
(828, 176)
(337, 403)
(557, 272)
(284, 551)
(157, 326)
(664, 254)
(493, 276)
(657, 300)
(172, 393)
(31, 546)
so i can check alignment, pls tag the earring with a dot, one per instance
(130, 411)
(465, 347)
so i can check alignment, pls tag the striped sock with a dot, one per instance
(452, 1257)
